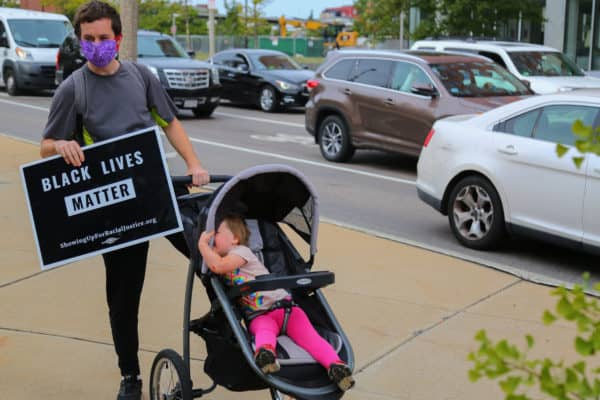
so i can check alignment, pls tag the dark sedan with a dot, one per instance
(267, 78)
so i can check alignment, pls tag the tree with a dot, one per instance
(9, 3)
(67, 7)
(233, 24)
(483, 17)
(503, 360)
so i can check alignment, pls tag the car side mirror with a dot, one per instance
(526, 83)
(3, 41)
(424, 89)
(191, 53)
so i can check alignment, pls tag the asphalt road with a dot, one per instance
(375, 192)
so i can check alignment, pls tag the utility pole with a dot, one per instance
(188, 44)
(129, 21)
(246, 24)
(402, 29)
(211, 27)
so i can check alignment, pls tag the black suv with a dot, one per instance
(192, 84)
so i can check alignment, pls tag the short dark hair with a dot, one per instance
(93, 11)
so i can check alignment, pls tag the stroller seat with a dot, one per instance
(271, 254)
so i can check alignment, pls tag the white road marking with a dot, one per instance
(264, 153)
(266, 120)
(286, 138)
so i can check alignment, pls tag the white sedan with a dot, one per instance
(498, 172)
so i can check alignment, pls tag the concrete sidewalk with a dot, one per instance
(410, 314)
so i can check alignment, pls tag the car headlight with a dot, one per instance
(286, 85)
(154, 71)
(215, 75)
(23, 54)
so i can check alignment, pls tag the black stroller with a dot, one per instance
(265, 196)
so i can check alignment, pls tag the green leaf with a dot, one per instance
(582, 130)
(510, 384)
(583, 146)
(548, 317)
(480, 336)
(474, 375)
(583, 347)
(579, 367)
(530, 341)
(578, 161)
(561, 150)
(565, 309)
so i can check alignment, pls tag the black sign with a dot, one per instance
(121, 195)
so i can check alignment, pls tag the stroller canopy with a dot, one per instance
(271, 192)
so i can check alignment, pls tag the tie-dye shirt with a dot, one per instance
(261, 300)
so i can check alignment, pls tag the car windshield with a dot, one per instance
(544, 63)
(478, 79)
(38, 32)
(273, 61)
(159, 46)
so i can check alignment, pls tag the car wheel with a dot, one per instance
(334, 140)
(11, 83)
(269, 99)
(475, 213)
(203, 112)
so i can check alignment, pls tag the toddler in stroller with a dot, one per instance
(269, 312)
(267, 197)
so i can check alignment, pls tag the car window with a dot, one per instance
(38, 32)
(544, 63)
(406, 75)
(159, 46)
(479, 79)
(341, 70)
(521, 125)
(372, 72)
(494, 57)
(273, 62)
(555, 122)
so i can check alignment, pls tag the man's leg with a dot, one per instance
(125, 271)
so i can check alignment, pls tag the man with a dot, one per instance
(119, 98)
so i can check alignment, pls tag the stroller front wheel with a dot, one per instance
(169, 377)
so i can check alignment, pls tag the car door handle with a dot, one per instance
(510, 150)
(389, 102)
(347, 91)
(230, 75)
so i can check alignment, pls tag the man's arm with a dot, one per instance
(68, 149)
(180, 141)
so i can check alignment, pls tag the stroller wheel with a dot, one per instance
(169, 377)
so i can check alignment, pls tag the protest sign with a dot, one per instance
(121, 195)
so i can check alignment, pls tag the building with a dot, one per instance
(36, 5)
(573, 28)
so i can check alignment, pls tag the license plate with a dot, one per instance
(190, 103)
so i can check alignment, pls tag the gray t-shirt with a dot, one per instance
(115, 104)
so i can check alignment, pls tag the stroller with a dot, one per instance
(265, 196)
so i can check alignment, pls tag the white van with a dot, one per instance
(29, 42)
(546, 69)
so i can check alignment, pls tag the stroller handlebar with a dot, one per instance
(187, 179)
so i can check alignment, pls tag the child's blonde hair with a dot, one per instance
(238, 227)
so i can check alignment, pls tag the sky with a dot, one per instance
(291, 8)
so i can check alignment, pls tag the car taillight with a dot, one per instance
(57, 60)
(311, 84)
(428, 138)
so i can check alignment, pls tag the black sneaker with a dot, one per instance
(266, 360)
(341, 375)
(130, 389)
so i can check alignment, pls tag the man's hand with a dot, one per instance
(70, 151)
(199, 175)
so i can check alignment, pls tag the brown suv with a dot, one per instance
(389, 100)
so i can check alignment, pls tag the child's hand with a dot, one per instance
(206, 236)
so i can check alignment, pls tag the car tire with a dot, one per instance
(268, 99)
(334, 140)
(475, 213)
(204, 112)
(10, 81)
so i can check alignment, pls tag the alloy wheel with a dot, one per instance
(473, 212)
(332, 138)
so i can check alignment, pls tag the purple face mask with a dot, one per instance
(100, 54)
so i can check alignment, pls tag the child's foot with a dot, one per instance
(266, 360)
(341, 374)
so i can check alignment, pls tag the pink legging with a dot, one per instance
(266, 327)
